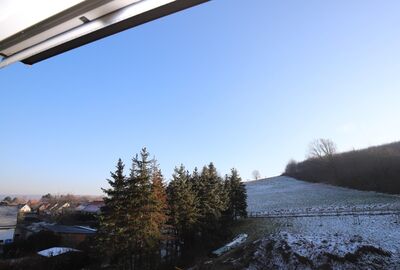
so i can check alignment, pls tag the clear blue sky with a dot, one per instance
(246, 84)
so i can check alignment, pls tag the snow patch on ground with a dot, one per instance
(293, 251)
(55, 251)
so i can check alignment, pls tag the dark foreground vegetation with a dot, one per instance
(67, 261)
(22, 254)
(375, 168)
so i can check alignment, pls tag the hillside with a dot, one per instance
(375, 168)
(368, 238)
(280, 196)
(284, 193)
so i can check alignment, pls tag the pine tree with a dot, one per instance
(237, 202)
(195, 180)
(158, 200)
(111, 235)
(212, 201)
(158, 216)
(183, 205)
(143, 232)
(131, 225)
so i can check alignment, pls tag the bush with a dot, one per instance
(68, 261)
(375, 168)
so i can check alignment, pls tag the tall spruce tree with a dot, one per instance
(158, 216)
(112, 234)
(158, 201)
(212, 201)
(144, 232)
(237, 202)
(135, 212)
(195, 180)
(183, 205)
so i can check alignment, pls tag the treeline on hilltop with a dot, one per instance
(375, 168)
(148, 225)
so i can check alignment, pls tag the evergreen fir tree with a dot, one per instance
(142, 233)
(183, 205)
(195, 180)
(237, 205)
(131, 225)
(212, 201)
(157, 214)
(158, 198)
(111, 234)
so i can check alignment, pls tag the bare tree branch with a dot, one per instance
(322, 148)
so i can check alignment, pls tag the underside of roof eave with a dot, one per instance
(115, 28)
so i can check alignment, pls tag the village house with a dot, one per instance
(51, 208)
(90, 208)
(8, 223)
(25, 208)
(71, 236)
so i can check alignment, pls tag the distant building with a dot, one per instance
(25, 208)
(71, 236)
(43, 207)
(33, 228)
(80, 207)
(8, 223)
(90, 208)
(51, 208)
(62, 207)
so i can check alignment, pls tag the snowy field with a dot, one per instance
(282, 195)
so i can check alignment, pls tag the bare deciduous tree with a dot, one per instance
(256, 174)
(321, 148)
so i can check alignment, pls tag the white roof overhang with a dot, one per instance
(31, 31)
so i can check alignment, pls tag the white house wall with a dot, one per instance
(6, 235)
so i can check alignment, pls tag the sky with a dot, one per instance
(245, 84)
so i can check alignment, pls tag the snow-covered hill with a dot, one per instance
(367, 237)
(279, 193)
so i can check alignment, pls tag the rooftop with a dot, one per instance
(69, 229)
(8, 216)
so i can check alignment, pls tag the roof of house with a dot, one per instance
(68, 229)
(24, 207)
(32, 35)
(8, 216)
(92, 207)
(80, 207)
